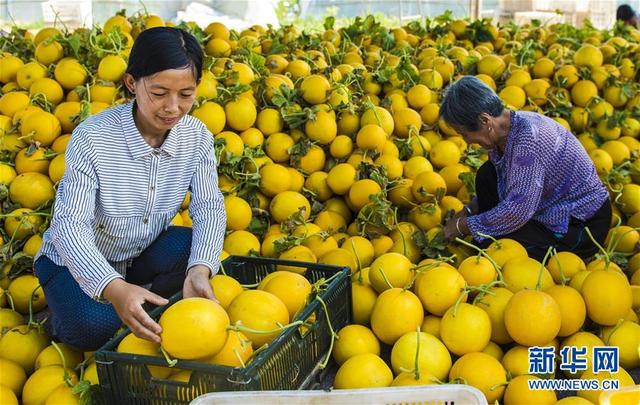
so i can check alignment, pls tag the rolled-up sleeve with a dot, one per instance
(523, 191)
(72, 227)
(207, 211)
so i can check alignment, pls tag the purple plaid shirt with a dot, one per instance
(545, 175)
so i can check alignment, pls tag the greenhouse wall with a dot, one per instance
(601, 12)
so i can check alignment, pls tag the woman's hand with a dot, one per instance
(456, 227)
(127, 299)
(197, 283)
(450, 231)
(473, 206)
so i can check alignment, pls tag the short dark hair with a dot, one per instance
(164, 48)
(466, 99)
(625, 13)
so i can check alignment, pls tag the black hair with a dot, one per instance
(466, 99)
(625, 13)
(164, 48)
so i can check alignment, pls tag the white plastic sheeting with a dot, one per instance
(234, 14)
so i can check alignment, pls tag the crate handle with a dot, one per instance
(240, 382)
(295, 376)
(108, 363)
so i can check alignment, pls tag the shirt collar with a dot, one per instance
(494, 154)
(137, 146)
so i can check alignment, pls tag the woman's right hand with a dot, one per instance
(127, 299)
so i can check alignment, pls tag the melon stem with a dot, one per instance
(359, 263)
(463, 293)
(397, 226)
(542, 268)
(384, 277)
(599, 246)
(235, 351)
(616, 239)
(31, 304)
(417, 270)
(483, 253)
(484, 289)
(67, 377)
(334, 336)
(10, 298)
(498, 385)
(497, 242)
(250, 285)
(563, 279)
(238, 327)
(614, 330)
(417, 362)
(82, 366)
(171, 362)
(322, 283)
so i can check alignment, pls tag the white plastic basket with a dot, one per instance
(626, 395)
(420, 395)
(73, 13)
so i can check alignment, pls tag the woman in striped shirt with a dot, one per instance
(128, 170)
(538, 187)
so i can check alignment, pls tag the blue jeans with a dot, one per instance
(77, 320)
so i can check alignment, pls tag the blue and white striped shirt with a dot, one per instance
(118, 194)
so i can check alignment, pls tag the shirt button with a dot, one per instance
(153, 188)
(139, 247)
(156, 152)
(145, 220)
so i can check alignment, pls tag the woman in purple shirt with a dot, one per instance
(538, 187)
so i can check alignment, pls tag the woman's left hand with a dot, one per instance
(454, 228)
(197, 284)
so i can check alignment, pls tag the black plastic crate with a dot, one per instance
(287, 363)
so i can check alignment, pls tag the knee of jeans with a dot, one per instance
(87, 333)
(44, 269)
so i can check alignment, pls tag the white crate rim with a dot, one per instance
(461, 394)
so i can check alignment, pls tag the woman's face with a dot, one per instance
(484, 136)
(163, 98)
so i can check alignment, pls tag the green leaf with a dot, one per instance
(257, 62)
(74, 44)
(427, 208)
(420, 239)
(417, 28)
(621, 259)
(377, 215)
(81, 387)
(383, 76)
(434, 248)
(472, 157)
(445, 17)
(86, 398)
(329, 22)
(259, 225)
(298, 150)
(469, 181)
(296, 219)
(287, 242)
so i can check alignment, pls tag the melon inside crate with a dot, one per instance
(289, 362)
